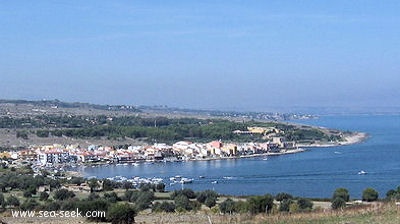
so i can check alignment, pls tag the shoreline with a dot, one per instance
(350, 139)
(354, 138)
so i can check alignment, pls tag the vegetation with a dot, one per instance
(152, 129)
(370, 194)
(121, 206)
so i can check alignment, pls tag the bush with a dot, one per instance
(163, 207)
(338, 203)
(227, 206)
(341, 193)
(13, 201)
(43, 196)
(285, 205)
(210, 202)
(305, 204)
(283, 196)
(182, 203)
(260, 204)
(121, 214)
(370, 194)
(63, 194)
(29, 205)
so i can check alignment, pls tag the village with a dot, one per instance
(56, 155)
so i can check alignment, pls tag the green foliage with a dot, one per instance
(43, 196)
(63, 194)
(153, 129)
(210, 201)
(111, 197)
(285, 205)
(393, 194)
(163, 207)
(203, 195)
(283, 196)
(370, 194)
(121, 214)
(93, 184)
(108, 185)
(77, 180)
(305, 204)
(189, 193)
(142, 199)
(22, 134)
(2, 201)
(12, 201)
(182, 203)
(227, 206)
(29, 205)
(338, 203)
(260, 204)
(341, 193)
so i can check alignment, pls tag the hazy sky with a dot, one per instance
(216, 54)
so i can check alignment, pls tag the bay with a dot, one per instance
(314, 173)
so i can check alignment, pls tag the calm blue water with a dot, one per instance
(315, 173)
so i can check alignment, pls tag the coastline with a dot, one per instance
(349, 139)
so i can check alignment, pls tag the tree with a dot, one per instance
(210, 202)
(338, 203)
(259, 204)
(227, 206)
(93, 184)
(305, 204)
(2, 201)
(13, 201)
(285, 205)
(121, 214)
(63, 194)
(283, 196)
(370, 194)
(163, 207)
(341, 193)
(43, 196)
(182, 202)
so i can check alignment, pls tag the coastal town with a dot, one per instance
(58, 155)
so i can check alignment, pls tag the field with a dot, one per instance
(386, 213)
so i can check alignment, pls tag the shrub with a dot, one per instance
(285, 205)
(13, 201)
(338, 203)
(260, 204)
(283, 196)
(341, 193)
(370, 194)
(43, 196)
(163, 207)
(227, 206)
(121, 214)
(305, 204)
(63, 194)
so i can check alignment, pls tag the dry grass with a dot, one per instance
(373, 213)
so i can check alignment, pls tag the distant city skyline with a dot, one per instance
(228, 55)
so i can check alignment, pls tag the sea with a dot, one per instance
(315, 173)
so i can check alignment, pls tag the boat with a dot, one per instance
(362, 172)
(186, 180)
(265, 158)
(214, 182)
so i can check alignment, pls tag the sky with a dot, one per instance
(232, 54)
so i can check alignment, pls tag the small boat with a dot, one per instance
(214, 182)
(186, 180)
(362, 172)
(265, 158)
